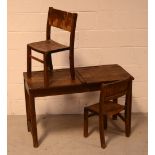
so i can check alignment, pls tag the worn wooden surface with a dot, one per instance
(60, 19)
(65, 21)
(86, 79)
(87, 75)
(108, 107)
(47, 46)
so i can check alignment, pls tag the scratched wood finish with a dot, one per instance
(60, 19)
(107, 107)
(65, 21)
(92, 76)
(61, 83)
(48, 46)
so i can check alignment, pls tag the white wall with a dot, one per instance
(108, 32)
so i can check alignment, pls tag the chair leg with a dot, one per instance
(46, 79)
(71, 59)
(101, 130)
(50, 65)
(114, 117)
(29, 61)
(27, 109)
(85, 122)
(33, 120)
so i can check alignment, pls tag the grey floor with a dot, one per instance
(63, 135)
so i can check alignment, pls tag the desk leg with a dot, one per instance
(33, 120)
(27, 109)
(128, 111)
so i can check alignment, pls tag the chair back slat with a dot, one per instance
(114, 90)
(61, 19)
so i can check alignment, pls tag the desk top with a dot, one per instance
(60, 79)
(103, 73)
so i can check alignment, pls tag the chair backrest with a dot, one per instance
(61, 19)
(114, 90)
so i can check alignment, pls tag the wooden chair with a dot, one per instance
(108, 106)
(59, 19)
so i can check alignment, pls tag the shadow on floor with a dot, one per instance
(71, 122)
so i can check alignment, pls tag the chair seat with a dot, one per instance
(47, 46)
(109, 108)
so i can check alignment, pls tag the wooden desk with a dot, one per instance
(86, 79)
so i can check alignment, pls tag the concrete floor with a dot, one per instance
(63, 135)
